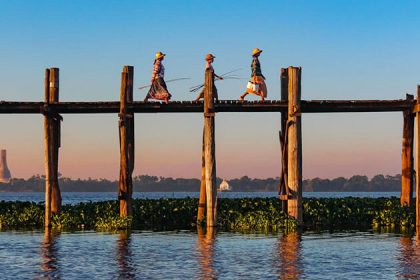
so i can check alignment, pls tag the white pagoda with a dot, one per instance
(224, 186)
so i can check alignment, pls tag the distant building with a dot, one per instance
(224, 186)
(4, 170)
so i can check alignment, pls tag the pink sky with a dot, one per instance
(333, 145)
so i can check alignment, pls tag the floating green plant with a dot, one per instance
(242, 214)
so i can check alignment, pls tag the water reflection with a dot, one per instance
(49, 266)
(205, 248)
(409, 257)
(126, 268)
(289, 253)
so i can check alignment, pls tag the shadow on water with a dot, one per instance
(409, 257)
(49, 251)
(206, 249)
(289, 250)
(126, 269)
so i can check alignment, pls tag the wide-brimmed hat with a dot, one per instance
(209, 56)
(256, 51)
(159, 55)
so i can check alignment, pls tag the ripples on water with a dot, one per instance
(76, 197)
(208, 255)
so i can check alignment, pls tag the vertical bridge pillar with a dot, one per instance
(418, 162)
(294, 144)
(283, 184)
(52, 143)
(209, 150)
(407, 157)
(202, 200)
(126, 132)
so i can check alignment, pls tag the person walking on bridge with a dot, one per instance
(257, 84)
(210, 58)
(158, 90)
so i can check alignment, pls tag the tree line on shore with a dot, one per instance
(147, 183)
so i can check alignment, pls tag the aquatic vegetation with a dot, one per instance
(357, 213)
(21, 215)
(242, 214)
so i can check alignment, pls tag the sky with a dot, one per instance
(347, 50)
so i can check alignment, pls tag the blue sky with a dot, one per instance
(347, 50)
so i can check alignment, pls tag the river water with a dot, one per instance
(204, 255)
(191, 255)
(76, 197)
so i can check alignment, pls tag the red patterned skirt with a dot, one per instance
(158, 90)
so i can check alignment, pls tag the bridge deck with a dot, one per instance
(308, 106)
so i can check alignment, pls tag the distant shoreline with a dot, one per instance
(147, 183)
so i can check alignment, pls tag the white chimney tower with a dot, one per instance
(4, 170)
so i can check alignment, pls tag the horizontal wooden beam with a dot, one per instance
(343, 106)
(307, 106)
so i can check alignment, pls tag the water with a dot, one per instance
(186, 255)
(191, 255)
(76, 197)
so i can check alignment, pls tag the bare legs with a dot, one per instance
(260, 94)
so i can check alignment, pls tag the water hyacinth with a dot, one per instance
(241, 215)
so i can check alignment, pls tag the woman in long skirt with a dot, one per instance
(257, 84)
(158, 89)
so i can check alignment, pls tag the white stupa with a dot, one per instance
(224, 186)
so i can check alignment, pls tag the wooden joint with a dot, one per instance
(125, 115)
(285, 197)
(57, 117)
(296, 111)
(209, 114)
(48, 112)
(45, 109)
(416, 109)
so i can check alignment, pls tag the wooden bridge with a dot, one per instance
(223, 106)
(290, 106)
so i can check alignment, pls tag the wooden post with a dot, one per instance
(209, 150)
(126, 132)
(407, 157)
(55, 132)
(417, 164)
(47, 140)
(202, 201)
(284, 85)
(295, 145)
(52, 144)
